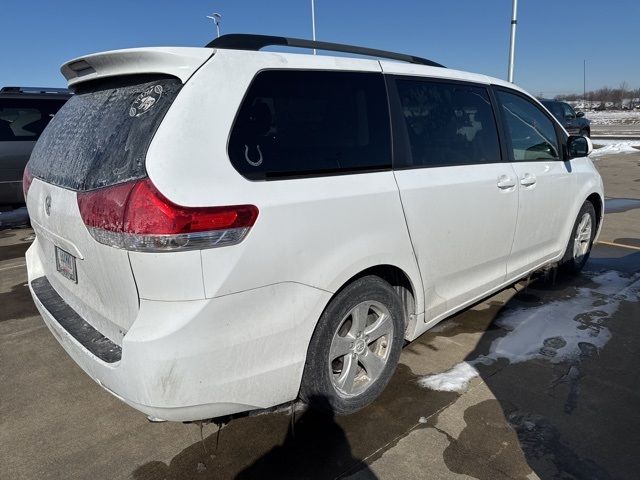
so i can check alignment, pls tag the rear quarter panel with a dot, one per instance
(316, 231)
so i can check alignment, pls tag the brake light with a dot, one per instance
(136, 216)
(27, 178)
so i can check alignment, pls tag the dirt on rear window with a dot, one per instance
(101, 135)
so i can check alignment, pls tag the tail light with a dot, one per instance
(136, 216)
(27, 178)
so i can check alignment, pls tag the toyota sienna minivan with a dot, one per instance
(223, 229)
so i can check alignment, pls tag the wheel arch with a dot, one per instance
(409, 291)
(598, 204)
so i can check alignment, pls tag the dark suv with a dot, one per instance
(573, 121)
(24, 113)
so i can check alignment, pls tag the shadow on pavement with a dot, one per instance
(319, 446)
(574, 418)
(314, 443)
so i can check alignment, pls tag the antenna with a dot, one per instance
(216, 17)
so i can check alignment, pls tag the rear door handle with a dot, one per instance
(505, 182)
(528, 180)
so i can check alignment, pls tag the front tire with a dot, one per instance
(581, 240)
(355, 347)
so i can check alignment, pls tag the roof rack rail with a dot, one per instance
(242, 41)
(63, 91)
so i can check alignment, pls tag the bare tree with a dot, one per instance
(622, 93)
(605, 95)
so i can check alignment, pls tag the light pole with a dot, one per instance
(216, 17)
(512, 43)
(584, 84)
(313, 23)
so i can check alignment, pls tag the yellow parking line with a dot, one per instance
(613, 244)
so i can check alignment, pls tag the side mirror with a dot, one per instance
(579, 114)
(578, 146)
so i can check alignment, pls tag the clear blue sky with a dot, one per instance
(554, 36)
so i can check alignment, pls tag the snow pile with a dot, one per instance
(557, 331)
(622, 117)
(612, 147)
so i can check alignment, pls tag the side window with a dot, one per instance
(568, 112)
(24, 120)
(294, 123)
(448, 124)
(532, 133)
(555, 109)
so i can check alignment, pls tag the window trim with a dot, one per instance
(400, 139)
(561, 137)
(312, 173)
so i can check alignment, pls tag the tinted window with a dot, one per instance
(308, 122)
(448, 124)
(555, 109)
(101, 135)
(532, 133)
(24, 120)
(568, 111)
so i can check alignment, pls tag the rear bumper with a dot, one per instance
(202, 359)
(68, 319)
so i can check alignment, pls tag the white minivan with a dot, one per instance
(221, 230)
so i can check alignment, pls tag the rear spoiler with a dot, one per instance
(180, 62)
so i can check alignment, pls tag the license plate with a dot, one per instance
(66, 264)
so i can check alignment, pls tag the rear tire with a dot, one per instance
(581, 240)
(355, 347)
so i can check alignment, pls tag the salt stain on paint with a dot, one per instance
(557, 331)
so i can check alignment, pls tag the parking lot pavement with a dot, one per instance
(616, 131)
(543, 378)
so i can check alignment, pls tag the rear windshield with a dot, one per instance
(101, 135)
(23, 120)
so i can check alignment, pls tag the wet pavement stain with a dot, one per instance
(618, 205)
(17, 303)
(567, 425)
(615, 258)
(319, 446)
(546, 452)
(17, 250)
(487, 448)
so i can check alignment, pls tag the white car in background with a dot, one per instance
(221, 229)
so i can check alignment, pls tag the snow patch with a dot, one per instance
(629, 117)
(454, 380)
(615, 147)
(558, 331)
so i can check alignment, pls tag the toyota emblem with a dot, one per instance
(47, 205)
